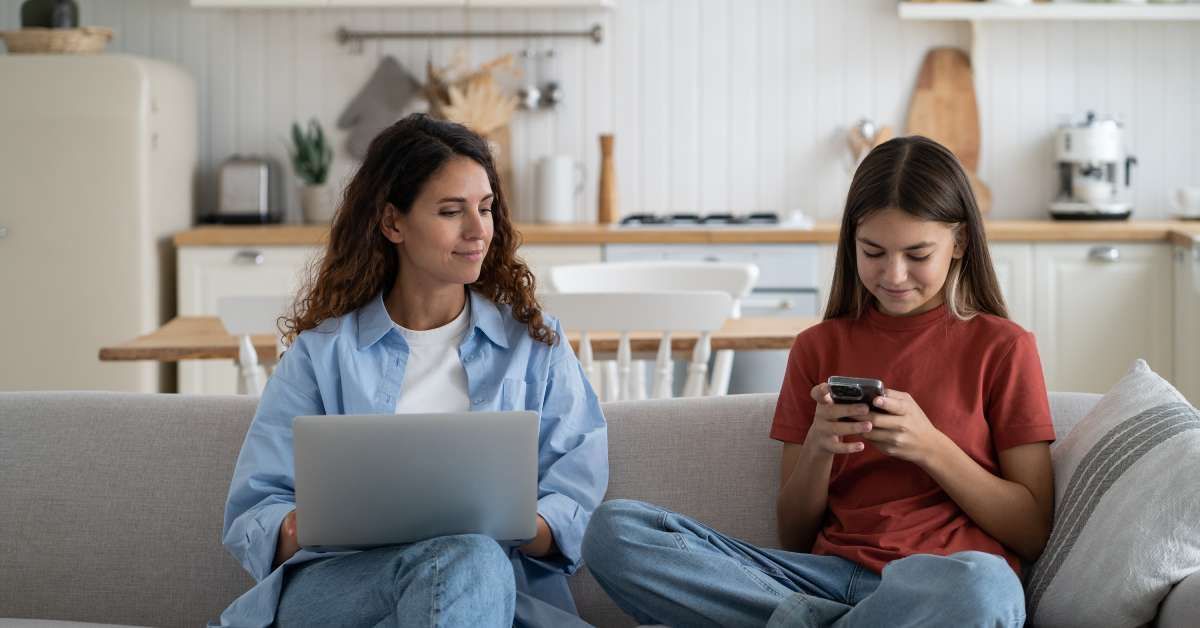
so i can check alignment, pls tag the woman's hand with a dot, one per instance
(828, 426)
(902, 430)
(288, 545)
(543, 543)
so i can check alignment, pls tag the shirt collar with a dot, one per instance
(374, 322)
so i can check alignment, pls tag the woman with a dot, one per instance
(914, 512)
(419, 305)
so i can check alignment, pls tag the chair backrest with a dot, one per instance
(244, 316)
(703, 311)
(737, 280)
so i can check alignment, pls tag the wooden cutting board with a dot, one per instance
(943, 108)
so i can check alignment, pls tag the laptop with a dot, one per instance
(385, 479)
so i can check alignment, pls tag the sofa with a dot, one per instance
(111, 503)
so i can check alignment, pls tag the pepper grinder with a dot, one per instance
(606, 209)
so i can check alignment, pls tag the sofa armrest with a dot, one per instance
(1181, 607)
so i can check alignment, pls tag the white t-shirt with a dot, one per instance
(434, 378)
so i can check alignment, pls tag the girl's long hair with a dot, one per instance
(359, 262)
(922, 178)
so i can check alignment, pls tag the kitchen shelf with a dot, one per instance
(374, 4)
(977, 11)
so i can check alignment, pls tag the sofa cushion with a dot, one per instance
(1126, 507)
(111, 505)
(51, 623)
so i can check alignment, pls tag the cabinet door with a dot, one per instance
(1187, 322)
(208, 273)
(541, 257)
(1098, 308)
(1013, 263)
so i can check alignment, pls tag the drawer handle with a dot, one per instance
(249, 258)
(3, 232)
(1106, 254)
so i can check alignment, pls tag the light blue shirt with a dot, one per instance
(354, 364)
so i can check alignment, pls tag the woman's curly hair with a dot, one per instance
(359, 262)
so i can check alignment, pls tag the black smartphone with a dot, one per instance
(855, 390)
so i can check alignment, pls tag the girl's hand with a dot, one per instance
(828, 426)
(902, 430)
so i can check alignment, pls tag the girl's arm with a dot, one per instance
(805, 470)
(1015, 509)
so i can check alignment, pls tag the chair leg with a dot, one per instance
(722, 368)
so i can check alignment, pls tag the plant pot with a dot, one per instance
(318, 203)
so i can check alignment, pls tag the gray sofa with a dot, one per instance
(110, 504)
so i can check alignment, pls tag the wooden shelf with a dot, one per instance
(977, 11)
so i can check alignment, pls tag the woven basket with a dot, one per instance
(89, 39)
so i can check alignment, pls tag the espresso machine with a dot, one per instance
(1093, 171)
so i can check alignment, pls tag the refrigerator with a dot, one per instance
(97, 160)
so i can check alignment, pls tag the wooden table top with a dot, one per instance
(204, 338)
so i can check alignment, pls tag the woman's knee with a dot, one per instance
(476, 557)
(613, 526)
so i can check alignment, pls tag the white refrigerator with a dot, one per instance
(97, 159)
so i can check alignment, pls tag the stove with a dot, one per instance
(704, 221)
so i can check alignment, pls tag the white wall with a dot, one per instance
(716, 104)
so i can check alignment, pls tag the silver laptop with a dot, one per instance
(385, 479)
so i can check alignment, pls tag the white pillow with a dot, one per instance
(1126, 511)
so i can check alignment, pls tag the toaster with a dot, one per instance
(246, 191)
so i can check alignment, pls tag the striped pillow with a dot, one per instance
(1127, 509)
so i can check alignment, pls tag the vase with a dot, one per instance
(317, 203)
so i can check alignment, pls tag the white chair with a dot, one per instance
(244, 317)
(736, 280)
(624, 312)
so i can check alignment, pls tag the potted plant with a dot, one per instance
(311, 156)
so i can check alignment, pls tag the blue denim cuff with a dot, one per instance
(563, 515)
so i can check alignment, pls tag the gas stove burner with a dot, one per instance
(722, 219)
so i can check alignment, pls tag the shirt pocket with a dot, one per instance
(512, 394)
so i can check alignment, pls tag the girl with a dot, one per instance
(419, 305)
(914, 512)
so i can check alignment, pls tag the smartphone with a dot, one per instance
(855, 390)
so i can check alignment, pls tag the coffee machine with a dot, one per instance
(1093, 171)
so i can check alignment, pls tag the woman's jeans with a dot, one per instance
(661, 567)
(464, 580)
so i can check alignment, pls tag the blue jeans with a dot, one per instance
(661, 567)
(464, 580)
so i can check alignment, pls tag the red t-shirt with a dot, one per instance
(979, 381)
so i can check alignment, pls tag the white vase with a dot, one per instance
(318, 203)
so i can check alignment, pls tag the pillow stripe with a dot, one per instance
(1107, 461)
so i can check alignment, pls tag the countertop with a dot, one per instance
(1185, 233)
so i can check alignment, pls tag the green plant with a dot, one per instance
(311, 154)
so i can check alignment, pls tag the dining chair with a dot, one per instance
(737, 280)
(662, 312)
(246, 316)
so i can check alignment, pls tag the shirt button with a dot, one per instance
(478, 401)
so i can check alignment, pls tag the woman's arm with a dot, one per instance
(572, 459)
(262, 491)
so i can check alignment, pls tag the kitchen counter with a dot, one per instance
(1176, 231)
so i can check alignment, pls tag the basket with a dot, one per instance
(89, 39)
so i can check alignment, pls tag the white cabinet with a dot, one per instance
(211, 272)
(1187, 322)
(1097, 308)
(826, 262)
(1013, 262)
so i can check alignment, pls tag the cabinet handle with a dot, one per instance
(3, 232)
(1106, 254)
(249, 258)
